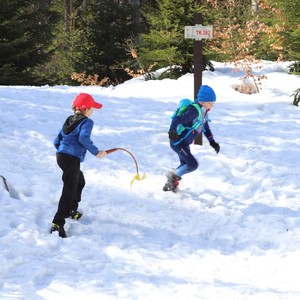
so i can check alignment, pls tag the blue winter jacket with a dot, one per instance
(187, 119)
(75, 137)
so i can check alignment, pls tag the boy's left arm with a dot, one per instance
(208, 134)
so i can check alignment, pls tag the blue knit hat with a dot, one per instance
(206, 94)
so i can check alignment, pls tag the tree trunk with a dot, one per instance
(136, 12)
(68, 14)
(254, 6)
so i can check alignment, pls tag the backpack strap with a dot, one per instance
(198, 109)
(196, 124)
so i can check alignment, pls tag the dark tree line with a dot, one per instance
(46, 41)
(25, 35)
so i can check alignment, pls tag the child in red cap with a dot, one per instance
(72, 142)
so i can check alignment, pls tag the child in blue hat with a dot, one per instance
(180, 142)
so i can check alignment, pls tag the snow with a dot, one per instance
(232, 233)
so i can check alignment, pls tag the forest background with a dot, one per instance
(106, 42)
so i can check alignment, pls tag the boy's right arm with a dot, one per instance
(57, 140)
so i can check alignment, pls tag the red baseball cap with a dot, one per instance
(84, 101)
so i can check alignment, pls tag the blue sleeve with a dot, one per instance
(207, 132)
(188, 116)
(85, 136)
(57, 140)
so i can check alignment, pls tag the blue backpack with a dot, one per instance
(181, 108)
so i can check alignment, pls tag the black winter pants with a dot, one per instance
(73, 183)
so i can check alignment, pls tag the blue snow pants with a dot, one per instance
(188, 163)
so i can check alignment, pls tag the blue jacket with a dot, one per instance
(187, 119)
(75, 137)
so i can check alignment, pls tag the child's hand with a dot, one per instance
(215, 145)
(101, 154)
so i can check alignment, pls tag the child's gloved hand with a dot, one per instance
(173, 135)
(101, 154)
(215, 145)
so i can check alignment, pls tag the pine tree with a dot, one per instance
(164, 45)
(68, 48)
(107, 24)
(290, 15)
(24, 36)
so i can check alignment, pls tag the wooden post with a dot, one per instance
(198, 32)
(198, 66)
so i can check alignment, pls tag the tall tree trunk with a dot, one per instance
(136, 12)
(68, 15)
(254, 6)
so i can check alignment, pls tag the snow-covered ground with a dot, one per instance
(232, 233)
